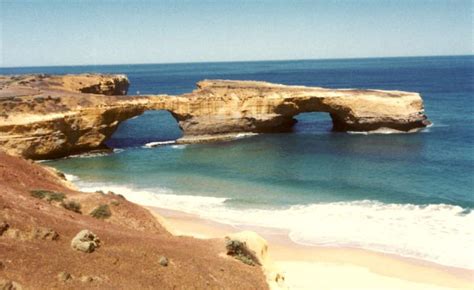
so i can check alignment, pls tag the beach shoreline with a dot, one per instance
(303, 265)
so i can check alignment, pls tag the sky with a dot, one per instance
(43, 33)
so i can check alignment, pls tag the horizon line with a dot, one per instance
(237, 61)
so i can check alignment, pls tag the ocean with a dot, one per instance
(406, 194)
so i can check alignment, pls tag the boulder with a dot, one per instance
(251, 248)
(85, 241)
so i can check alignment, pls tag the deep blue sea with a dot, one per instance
(409, 194)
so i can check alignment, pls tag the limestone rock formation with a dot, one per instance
(45, 116)
(221, 106)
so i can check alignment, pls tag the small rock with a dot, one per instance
(164, 261)
(89, 279)
(64, 276)
(2, 266)
(97, 279)
(86, 279)
(15, 234)
(3, 227)
(85, 241)
(44, 234)
(9, 285)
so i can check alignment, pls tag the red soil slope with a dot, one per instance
(132, 242)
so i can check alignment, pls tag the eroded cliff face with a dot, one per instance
(48, 116)
(45, 116)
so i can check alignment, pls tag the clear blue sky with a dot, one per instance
(49, 32)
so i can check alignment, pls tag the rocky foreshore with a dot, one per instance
(45, 116)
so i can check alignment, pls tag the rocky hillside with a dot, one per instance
(52, 236)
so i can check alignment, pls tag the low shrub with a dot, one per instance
(48, 195)
(39, 193)
(55, 196)
(72, 205)
(239, 251)
(101, 212)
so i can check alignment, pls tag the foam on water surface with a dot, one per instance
(158, 143)
(435, 233)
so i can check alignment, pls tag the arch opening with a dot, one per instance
(313, 123)
(151, 126)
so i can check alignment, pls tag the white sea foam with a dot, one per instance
(179, 146)
(158, 143)
(245, 135)
(438, 233)
(159, 197)
(89, 155)
(358, 132)
(71, 177)
(380, 131)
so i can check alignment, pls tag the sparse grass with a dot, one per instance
(39, 193)
(55, 196)
(245, 260)
(72, 205)
(101, 212)
(48, 195)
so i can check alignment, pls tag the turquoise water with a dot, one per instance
(409, 194)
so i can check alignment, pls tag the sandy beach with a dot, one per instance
(309, 267)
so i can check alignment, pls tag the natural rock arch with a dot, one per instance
(50, 116)
(223, 107)
(153, 126)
